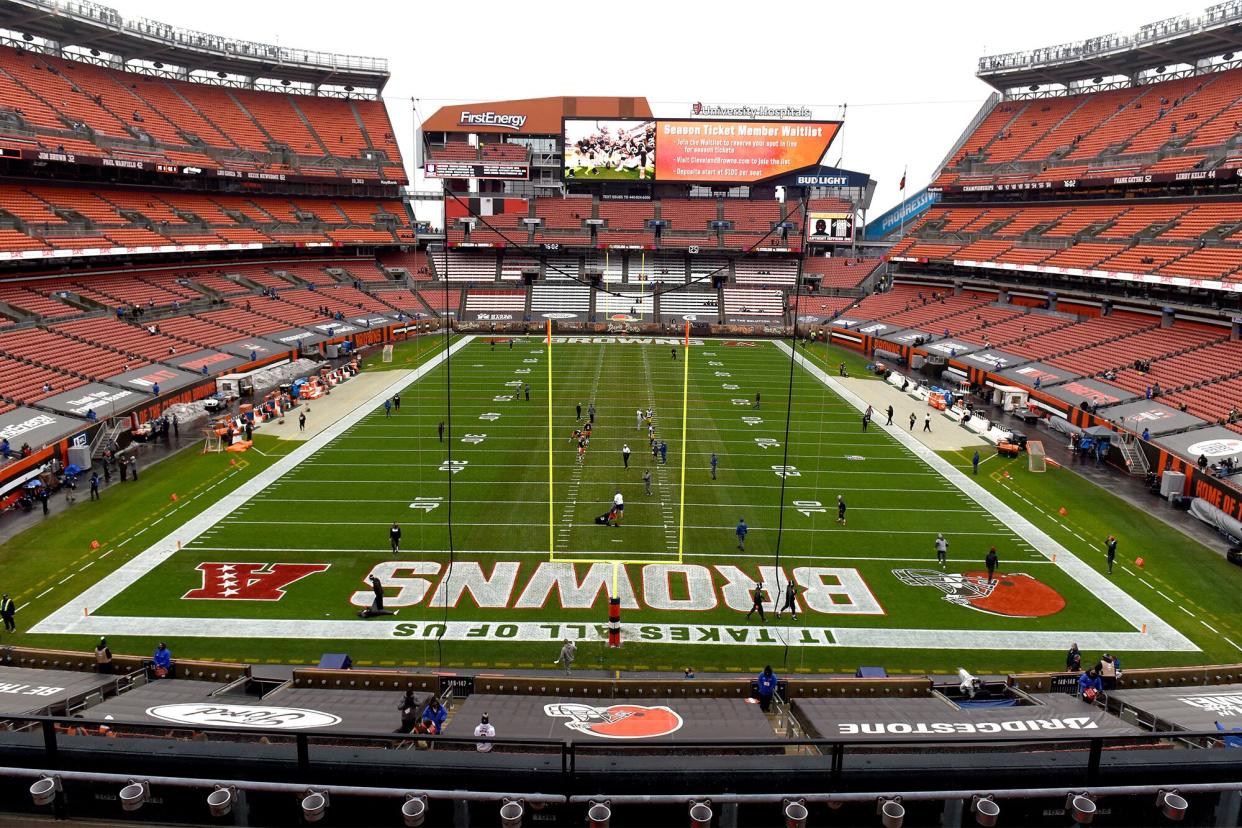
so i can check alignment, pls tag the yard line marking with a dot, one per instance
(844, 530)
(62, 580)
(44, 592)
(1210, 627)
(661, 475)
(1235, 646)
(1183, 609)
(1165, 597)
(714, 555)
(87, 565)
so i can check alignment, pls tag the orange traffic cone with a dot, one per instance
(1063, 512)
(94, 544)
(1138, 561)
(173, 497)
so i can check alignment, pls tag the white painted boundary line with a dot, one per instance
(1162, 636)
(71, 618)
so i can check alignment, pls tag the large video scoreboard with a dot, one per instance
(693, 151)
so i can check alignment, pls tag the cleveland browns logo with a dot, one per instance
(1012, 594)
(618, 721)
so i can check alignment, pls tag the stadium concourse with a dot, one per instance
(871, 533)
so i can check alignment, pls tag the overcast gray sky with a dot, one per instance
(906, 70)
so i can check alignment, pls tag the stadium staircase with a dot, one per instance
(207, 118)
(1136, 460)
(309, 126)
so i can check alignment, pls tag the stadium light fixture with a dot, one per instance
(414, 810)
(1081, 807)
(314, 804)
(795, 813)
(985, 810)
(220, 801)
(892, 812)
(599, 814)
(511, 813)
(134, 795)
(45, 789)
(701, 814)
(1172, 804)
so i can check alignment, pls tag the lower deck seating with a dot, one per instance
(754, 302)
(765, 271)
(842, 272)
(698, 303)
(563, 298)
(66, 354)
(453, 266)
(627, 302)
(496, 300)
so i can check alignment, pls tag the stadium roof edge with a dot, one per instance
(94, 26)
(1185, 39)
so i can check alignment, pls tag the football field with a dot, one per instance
(501, 556)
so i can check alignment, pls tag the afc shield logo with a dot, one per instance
(249, 581)
(618, 721)
(1012, 594)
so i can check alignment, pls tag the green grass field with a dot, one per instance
(527, 571)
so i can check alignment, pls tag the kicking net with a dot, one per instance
(1036, 459)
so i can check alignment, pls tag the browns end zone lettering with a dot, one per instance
(668, 587)
(490, 118)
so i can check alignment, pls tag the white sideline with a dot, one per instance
(70, 619)
(72, 616)
(1162, 635)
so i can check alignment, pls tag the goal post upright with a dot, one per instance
(551, 498)
(685, 414)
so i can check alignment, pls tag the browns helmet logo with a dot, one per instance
(618, 721)
(1012, 594)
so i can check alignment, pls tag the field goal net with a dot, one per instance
(1036, 460)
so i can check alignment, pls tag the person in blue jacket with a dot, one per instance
(1089, 686)
(434, 715)
(767, 687)
(163, 660)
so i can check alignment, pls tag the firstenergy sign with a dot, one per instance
(491, 118)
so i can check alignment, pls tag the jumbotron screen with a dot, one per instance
(609, 149)
(721, 152)
(739, 152)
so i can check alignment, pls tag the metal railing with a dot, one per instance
(228, 47)
(303, 745)
(1222, 14)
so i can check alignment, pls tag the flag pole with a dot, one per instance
(901, 211)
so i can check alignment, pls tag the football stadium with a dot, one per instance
(603, 460)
